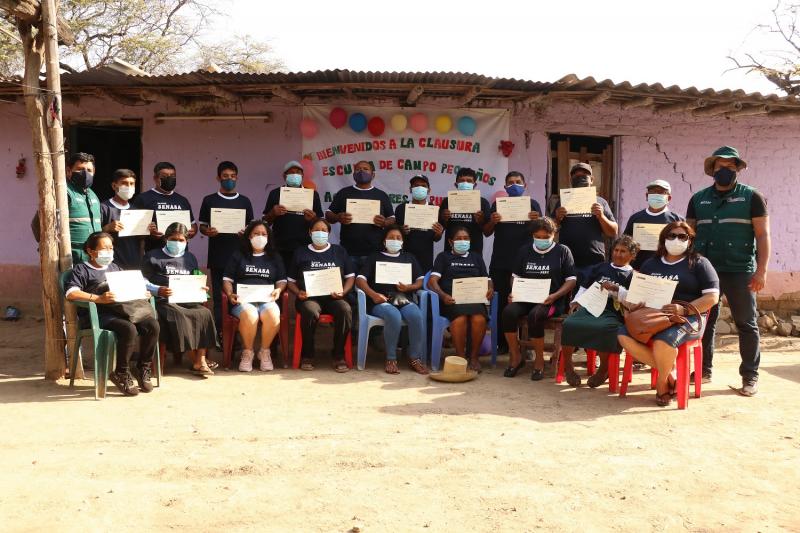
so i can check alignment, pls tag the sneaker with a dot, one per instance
(246, 364)
(143, 378)
(749, 387)
(124, 382)
(265, 359)
(705, 379)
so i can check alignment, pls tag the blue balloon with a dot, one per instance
(467, 126)
(358, 122)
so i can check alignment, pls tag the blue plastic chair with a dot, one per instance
(440, 323)
(367, 322)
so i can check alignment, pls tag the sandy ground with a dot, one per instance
(320, 451)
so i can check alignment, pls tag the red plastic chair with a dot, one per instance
(230, 325)
(591, 362)
(298, 341)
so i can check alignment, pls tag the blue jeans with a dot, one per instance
(742, 302)
(393, 322)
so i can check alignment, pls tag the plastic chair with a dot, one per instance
(366, 322)
(440, 323)
(591, 364)
(298, 341)
(104, 343)
(230, 325)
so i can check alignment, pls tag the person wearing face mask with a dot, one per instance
(361, 240)
(541, 259)
(291, 229)
(417, 241)
(460, 261)
(698, 283)
(659, 194)
(256, 263)
(320, 255)
(395, 303)
(127, 250)
(732, 227)
(466, 180)
(163, 197)
(186, 327)
(221, 246)
(87, 283)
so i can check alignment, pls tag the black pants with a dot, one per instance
(501, 279)
(309, 316)
(537, 316)
(126, 333)
(216, 293)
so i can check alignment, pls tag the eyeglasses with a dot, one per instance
(680, 236)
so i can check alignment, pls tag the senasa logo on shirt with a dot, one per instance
(464, 265)
(673, 277)
(461, 216)
(540, 269)
(173, 270)
(251, 269)
(322, 264)
(169, 207)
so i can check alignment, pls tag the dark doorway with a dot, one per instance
(113, 146)
(566, 150)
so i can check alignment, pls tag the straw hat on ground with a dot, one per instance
(455, 370)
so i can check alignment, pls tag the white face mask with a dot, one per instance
(259, 242)
(676, 247)
(125, 192)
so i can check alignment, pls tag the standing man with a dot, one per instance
(221, 246)
(659, 194)
(127, 250)
(163, 197)
(466, 180)
(419, 242)
(733, 233)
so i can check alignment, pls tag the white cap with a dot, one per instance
(660, 183)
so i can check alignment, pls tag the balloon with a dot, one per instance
(486, 345)
(419, 122)
(498, 194)
(338, 117)
(308, 169)
(358, 122)
(309, 184)
(376, 126)
(399, 123)
(467, 126)
(443, 123)
(309, 128)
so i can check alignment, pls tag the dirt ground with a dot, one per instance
(320, 451)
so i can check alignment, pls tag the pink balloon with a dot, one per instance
(418, 122)
(308, 168)
(338, 117)
(499, 194)
(309, 128)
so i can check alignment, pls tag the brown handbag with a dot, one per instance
(645, 322)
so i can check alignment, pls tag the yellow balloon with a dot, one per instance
(399, 123)
(443, 123)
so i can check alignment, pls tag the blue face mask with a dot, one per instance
(320, 238)
(362, 177)
(515, 189)
(657, 201)
(465, 186)
(228, 184)
(542, 244)
(393, 246)
(294, 180)
(419, 193)
(176, 247)
(461, 247)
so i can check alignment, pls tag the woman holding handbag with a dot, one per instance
(680, 321)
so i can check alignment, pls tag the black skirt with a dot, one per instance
(451, 312)
(186, 327)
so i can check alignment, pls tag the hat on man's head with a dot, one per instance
(727, 152)
(422, 177)
(581, 166)
(664, 184)
(292, 164)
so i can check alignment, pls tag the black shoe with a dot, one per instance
(143, 378)
(749, 387)
(511, 371)
(537, 375)
(706, 376)
(124, 382)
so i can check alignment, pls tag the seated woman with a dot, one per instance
(321, 255)
(185, 327)
(87, 283)
(698, 284)
(460, 262)
(581, 328)
(544, 259)
(257, 263)
(395, 302)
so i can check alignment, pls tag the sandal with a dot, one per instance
(572, 377)
(213, 365)
(391, 367)
(475, 366)
(340, 366)
(511, 371)
(672, 384)
(306, 364)
(537, 374)
(418, 366)
(597, 379)
(663, 400)
(202, 371)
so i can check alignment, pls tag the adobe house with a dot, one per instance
(630, 134)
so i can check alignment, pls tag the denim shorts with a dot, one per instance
(673, 335)
(260, 308)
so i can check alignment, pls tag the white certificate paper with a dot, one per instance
(135, 222)
(652, 291)
(323, 282)
(127, 285)
(464, 201)
(296, 199)
(421, 216)
(228, 220)
(187, 289)
(533, 291)
(470, 290)
(594, 299)
(515, 209)
(363, 211)
(254, 293)
(390, 273)
(165, 218)
(578, 200)
(647, 235)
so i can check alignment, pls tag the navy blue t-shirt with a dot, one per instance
(158, 266)
(127, 250)
(693, 282)
(468, 221)
(449, 266)
(308, 258)
(510, 236)
(254, 269)
(583, 235)
(418, 242)
(369, 268)
(89, 279)
(291, 229)
(556, 264)
(361, 239)
(644, 217)
(224, 245)
(158, 201)
(602, 272)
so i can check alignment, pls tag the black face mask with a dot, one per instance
(168, 183)
(724, 177)
(82, 179)
(580, 181)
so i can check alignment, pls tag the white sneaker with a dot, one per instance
(246, 364)
(266, 360)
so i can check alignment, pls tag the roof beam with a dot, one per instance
(414, 94)
(792, 113)
(686, 105)
(469, 96)
(101, 92)
(717, 109)
(643, 101)
(598, 98)
(223, 94)
(751, 111)
(286, 94)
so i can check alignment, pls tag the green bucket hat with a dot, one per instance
(727, 152)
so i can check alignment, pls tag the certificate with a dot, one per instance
(594, 299)
(135, 222)
(297, 199)
(187, 289)
(464, 201)
(254, 293)
(470, 290)
(323, 282)
(165, 218)
(388, 273)
(421, 216)
(578, 200)
(647, 235)
(514, 209)
(650, 290)
(363, 211)
(228, 220)
(127, 285)
(529, 290)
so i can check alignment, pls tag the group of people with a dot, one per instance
(721, 248)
